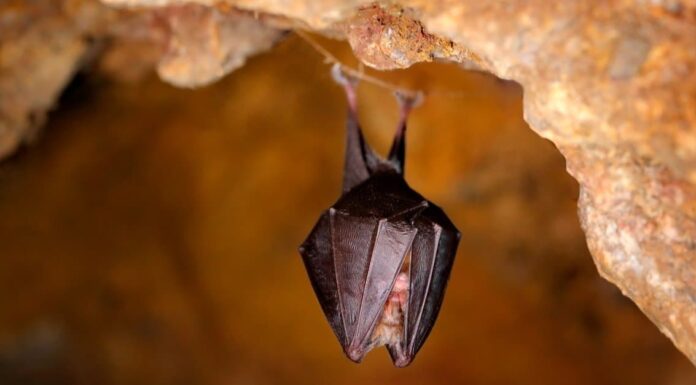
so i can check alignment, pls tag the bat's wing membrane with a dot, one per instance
(356, 251)
(432, 255)
(352, 243)
(368, 254)
(317, 254)
(353, 263)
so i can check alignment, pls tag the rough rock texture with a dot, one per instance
(611, 83)
(614, 87)
(44, 43)
(389, 38)
(204, 44)
(43, 55)
(618, 99)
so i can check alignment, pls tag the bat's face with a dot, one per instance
(379, 261)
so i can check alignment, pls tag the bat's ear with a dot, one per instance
(360, 159)
(398, 150)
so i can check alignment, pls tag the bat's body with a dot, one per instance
(380, 257)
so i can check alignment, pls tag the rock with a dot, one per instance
(205, 44)
(612, 84)
(390, 38)
(615, 90)
(43, 44)
(39, 53)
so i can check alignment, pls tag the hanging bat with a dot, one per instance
(380, 257)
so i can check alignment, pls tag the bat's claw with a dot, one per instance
(409, 100)
(343, 78)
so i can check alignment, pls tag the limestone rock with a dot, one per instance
(389, 38)
(205, 43)
(44, 43)
(39, 53)
(614, 87)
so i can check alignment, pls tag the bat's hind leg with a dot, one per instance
(349, 83)
(407, 102)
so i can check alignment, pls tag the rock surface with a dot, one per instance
(205, 43)
(39, 53)
(612, 84)
(44, 43)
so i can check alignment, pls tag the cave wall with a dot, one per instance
(612, 84)
(149, 236)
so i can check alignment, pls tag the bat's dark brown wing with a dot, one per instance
(432, 256)
(368, 254)
(317, 254)
(353, 262)
(358, 248)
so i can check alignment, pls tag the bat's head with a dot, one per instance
(379, 261)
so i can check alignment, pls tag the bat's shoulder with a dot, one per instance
(374, 200)
(436, 217)
(387, 197)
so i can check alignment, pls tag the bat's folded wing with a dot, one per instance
(317, 254)
(432, 256)
(353, 263)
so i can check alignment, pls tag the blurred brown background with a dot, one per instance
(150, 236)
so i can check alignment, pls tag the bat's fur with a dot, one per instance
(390, 328)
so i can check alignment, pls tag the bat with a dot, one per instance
(379, 259)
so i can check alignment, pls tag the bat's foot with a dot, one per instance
(408, 101)
(343, 78)
(349, 83)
